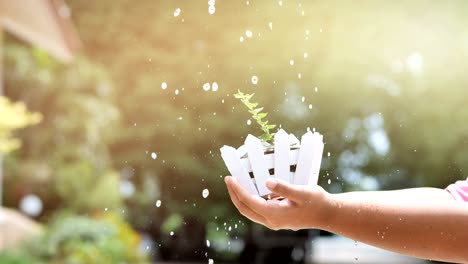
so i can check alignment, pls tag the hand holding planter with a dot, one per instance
(287, 160)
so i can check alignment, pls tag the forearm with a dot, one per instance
(425, 223)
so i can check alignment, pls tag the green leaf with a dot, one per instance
(262, 115)
(258, 110)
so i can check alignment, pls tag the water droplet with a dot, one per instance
(303, 99)
(158, 203)
(164, 85)
(105, 209)
(214, 87)
(310, 106)
(154, 155)
(177, 12)
(172, 233)
(206, 87)
(328, 154)
(280, 3)
(316, 89)
(270, 25)
(241, 39)
(291, 62)
(205, 193)
(249, 122)
(306, 55)
(248, 33)
(329, 181)
(299, 75)
(207, 243)
(176, 92)
(230, 228)
(211, 9)
(254, 80)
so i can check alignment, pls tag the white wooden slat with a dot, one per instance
(281, 157)
(317, 158)
(257, 161)
(233, 163)
(304, 164)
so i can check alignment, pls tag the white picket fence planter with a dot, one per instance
(297, 164)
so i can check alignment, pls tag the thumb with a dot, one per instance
(292, 192)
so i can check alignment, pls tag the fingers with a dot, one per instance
(292, 192)
(243, 209)
(254, 202)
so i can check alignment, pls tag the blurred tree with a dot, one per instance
(13, 116)
(68, 150)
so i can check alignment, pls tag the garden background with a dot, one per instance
(383, 81)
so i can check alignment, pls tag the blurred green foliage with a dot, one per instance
(384, 81)
(80, 239)
(64, 159)
(13, 116)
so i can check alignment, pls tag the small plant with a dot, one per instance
(257, 115)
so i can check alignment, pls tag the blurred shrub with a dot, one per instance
(64, 160)
(83, 188)
(17, 258)
(80, 239)
(13, 116)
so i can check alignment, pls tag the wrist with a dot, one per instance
(323, 209)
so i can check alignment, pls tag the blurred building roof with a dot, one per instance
(43, 23)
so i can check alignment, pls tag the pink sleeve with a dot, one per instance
(459, 190)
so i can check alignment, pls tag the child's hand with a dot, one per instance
(303, 206)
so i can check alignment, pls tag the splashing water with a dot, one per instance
(205, 193)
(214, 87)
(254, 80)
(206, 87)
(177, 12)
(211, 7)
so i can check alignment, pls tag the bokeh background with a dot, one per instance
(383, 81)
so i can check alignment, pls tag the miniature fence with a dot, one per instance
(294, 163)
